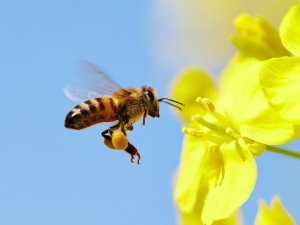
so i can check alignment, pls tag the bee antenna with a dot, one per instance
(170, 102)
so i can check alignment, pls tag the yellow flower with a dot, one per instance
(195, 219)
(217, 173)
(257, 38)
(280, 77)
(273, 215)
(232, 125)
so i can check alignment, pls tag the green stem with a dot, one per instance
(283, 151)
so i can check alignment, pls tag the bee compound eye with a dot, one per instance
(150, 95)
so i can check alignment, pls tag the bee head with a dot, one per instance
(151, 102)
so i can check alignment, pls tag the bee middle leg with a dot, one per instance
(108, 132)
(106, 135)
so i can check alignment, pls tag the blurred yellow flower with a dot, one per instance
(280, 77)
(273, 215)
(257, 38)
(196, 31)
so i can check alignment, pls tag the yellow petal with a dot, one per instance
(195, 219)
(190, 219)
(188, 192)
(187, 86)
(274, 215)
(289, 30)
(280, 81)
(239, 95)
(234, 185)
(268, 128)
(242, 100)
(257, 38)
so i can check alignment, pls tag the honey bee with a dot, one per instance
(105, 101)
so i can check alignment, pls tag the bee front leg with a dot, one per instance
(144, 117)
(133, 151)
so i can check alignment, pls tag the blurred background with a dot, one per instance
(52, 175)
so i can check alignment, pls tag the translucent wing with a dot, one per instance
(79, 94)
(97, 84)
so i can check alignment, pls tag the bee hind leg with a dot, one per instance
(107, 134)
(133, 152)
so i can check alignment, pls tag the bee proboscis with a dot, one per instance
(123, 105)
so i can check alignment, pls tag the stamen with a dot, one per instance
(198, 118)
(206, 104)
(193, 132)
(214, 126)
(214, 138)
(218, 116)
(231, 132)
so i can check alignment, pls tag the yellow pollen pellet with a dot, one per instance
(109, 144)
(119, 140)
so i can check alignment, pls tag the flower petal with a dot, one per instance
(289, 30)
(280, 81)
(268, 128)
(188, 193)
(242, 100)
(240, 96)
(195, 219)
(187, 86)
(275, 215)
(235, 184)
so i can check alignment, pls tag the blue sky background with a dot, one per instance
(51, 175)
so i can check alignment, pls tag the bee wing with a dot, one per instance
(97, 84)
(79, 94)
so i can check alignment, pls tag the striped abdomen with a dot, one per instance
(91, 112)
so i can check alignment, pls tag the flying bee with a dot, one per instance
(105, 101)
